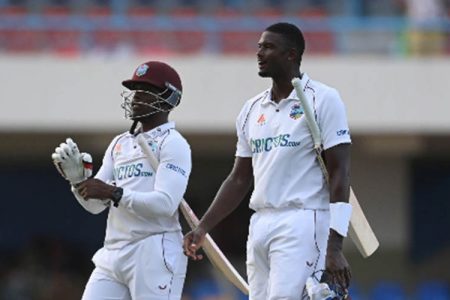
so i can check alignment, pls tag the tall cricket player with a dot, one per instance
(142, 257)
(297, 230)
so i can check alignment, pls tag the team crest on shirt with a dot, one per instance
(141, 70)
(261, 120)
(296, 112)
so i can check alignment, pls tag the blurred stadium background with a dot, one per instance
(61, 64)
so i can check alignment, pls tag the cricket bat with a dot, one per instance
(360, 231)
(212, 251)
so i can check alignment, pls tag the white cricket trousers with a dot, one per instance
(151, 269)
(285, 246)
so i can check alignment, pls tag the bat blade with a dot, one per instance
(360, 231)
(309, 115)
(212, 251)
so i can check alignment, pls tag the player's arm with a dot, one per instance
(232, 190)
(171, 182)
(336, 141)
(92, 205)
(171, 179)
(338, 165)
(229, 196)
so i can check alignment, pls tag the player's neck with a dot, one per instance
(154, 121)
(281, 90)
(282, 85)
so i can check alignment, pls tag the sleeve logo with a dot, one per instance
(343, 132)
(176, 169)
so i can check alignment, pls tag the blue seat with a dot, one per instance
(204, 289)
(355, 291)
(433, 290)
(388, 290)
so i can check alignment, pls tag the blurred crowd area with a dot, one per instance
(69, 27)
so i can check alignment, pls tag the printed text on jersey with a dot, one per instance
(131, 170)
(269, 143)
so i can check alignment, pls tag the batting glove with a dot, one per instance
(71, 164)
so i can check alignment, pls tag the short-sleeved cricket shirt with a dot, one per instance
(277, 138)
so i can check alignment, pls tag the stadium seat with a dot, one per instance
(239, 42)
(21, 41)
(355, 291)
(63, 42)
(55, 11)
(141, 12)
(166, 42)
(98, 12)
(388, 290)
(105, 39)
(206, 289)
(13, 11)
(433, 290)
(319, 42)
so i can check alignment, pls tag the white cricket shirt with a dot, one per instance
(277, 138)
(150, 201)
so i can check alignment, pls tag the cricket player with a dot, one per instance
(142, 257)
(299, 223)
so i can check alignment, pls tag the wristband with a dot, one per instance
(340, 214)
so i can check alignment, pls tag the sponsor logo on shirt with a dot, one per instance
(131, 170)
(270, 143)
(343, 132)
(117, 149)
(176, 169)
(296, 112)
(261, 120)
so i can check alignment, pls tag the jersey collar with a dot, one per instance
(292, 96)
(160, 130)
(304, 80)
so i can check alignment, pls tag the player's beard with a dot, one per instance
(264, 74)
(265, 71)
(269, 70)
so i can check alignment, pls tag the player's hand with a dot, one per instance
(192, 243)
(94, 188)
(70, 163)
(337, 268)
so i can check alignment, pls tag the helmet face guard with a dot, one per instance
(160, 104)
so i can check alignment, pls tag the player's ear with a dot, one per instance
(292, 54)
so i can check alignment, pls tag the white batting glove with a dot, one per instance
(71, 164)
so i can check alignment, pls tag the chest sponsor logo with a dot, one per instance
(261, 120)
(270, 143)
(130, 170)
(296, 112)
